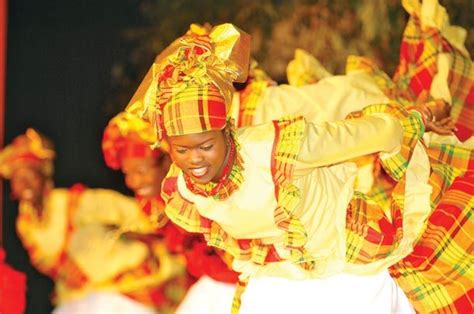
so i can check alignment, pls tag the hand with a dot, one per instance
(437, 109)
(445, 126)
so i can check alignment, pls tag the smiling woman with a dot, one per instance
(127, 145)
(280, 197)
(203, 156)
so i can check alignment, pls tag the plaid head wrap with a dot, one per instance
(29, 149)
(191, 81)
(127, 136)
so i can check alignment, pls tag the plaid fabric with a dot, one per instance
(383, 81)
(438, 276)
(448, 162)
(236, 302)
(184, 214)
(127, 136)
(421, 45)
(413, 129)
(163, 296)
(195, 109)
(154, 209)
(63, 269)
(370, 233)
(251, 96)
(32, 149)
(289, 132)
(194, 88)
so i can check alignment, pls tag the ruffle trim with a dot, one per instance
(413, 130)
(185, 214)
(289, 133)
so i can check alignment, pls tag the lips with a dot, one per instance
(199, 172)
(145, 191)
(27, 194)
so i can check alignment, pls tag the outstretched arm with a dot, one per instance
(333, 142)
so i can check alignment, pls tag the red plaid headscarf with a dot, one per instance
(192, 81)
(29, 149)
(127, 136)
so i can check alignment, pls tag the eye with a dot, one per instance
(207, 147)
(181, 150)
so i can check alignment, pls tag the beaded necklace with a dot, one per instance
(212, 189)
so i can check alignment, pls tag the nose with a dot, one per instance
(195, 157)
(133, 181)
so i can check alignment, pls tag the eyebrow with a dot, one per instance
(197, 145)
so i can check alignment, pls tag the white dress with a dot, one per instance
(208, 296)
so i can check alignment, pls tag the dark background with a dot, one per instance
(73, 64)
(59, 58)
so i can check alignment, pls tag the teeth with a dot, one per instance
(144, 191)
(27, 193)
(199, 172)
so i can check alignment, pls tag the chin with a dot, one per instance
(202, 180)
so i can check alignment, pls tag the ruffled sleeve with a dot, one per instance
(334, 142)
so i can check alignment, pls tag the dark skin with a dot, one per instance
(28, 184)
(437, 116)
(143, 175)
(201, 156)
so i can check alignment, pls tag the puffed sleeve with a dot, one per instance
(334, 142)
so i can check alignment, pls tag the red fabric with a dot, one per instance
(12, 288)
(203, 260)
(116, 147)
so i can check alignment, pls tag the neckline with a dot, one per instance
(230, 180)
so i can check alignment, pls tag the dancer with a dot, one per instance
(127, 146)
(76, 236)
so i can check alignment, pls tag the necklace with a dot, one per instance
(211, 189)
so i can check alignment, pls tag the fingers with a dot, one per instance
(443, 127)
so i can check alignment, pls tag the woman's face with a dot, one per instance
(201, 156)
(27, 184)
(143, 175)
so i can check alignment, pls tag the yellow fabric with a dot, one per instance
(28, 148)
(194, 60)
(249, 212)
(46, 235)
(128, 123)
(434, 15)
(95, 245)
(305, 69)
(331, 99)
(334, 142)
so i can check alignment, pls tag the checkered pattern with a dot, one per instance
(194, 88)
(421, 45)
(289, 133)
(194, 109)
(438, 276)
(127, 136)
(413, 130)
(252, 95)
(373, 231)
(64, 269)
(31, 149)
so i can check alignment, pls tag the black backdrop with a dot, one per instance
(59, 60)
